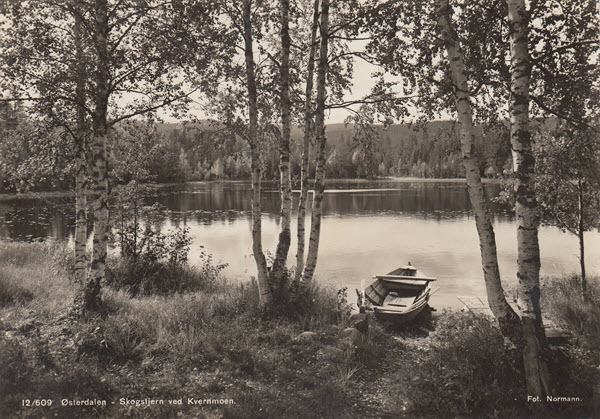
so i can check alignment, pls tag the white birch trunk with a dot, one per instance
(88, 298)
(283, 246)
(319, 185)
(80, 162)
(536, 373)
(265, 296)
(306, 144)
(507, 318)
(580, 232)
(97, 272)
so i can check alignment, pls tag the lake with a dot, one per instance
(369, 227)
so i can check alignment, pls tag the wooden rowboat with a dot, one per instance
(400, 295)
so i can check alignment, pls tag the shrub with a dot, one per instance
(465, 371)
(563, 300)
(160, 267)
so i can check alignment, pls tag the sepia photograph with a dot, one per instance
(300, 208)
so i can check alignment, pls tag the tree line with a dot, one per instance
(171, 153)
(263, 66)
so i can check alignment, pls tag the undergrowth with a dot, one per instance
(211, 339)
(564, 301)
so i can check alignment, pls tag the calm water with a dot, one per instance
(369, 227)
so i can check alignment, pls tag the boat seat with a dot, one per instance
(397, 301)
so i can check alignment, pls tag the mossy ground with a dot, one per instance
(214, 344)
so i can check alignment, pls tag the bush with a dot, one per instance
(157, 264)
(465, 370)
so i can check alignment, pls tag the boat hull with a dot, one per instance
(399, 296)
(382, 314)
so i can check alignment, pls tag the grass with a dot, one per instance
(33, 276)
(564, 301)
(213, 343)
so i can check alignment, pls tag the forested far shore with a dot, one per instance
(35, 158)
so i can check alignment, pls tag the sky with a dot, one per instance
(362, 84)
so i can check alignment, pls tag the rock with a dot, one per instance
(26, 327)
(354, 336)
(306, 336)
(360, 321)
(330, 353)
(358, 338)
(357, 317)
(348, 331)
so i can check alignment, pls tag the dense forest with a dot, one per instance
(35, 158)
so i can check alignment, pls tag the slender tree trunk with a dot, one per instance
(265, 296)
(319, 185)
(534, 337)
(306, 144)
(80, 162)
(283, 246)
(97, 270)
(581, 229)
(507, 318)
(88, 299)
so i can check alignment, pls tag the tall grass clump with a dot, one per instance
(318, 307)
(33, 275)
(465, 369)
(565, 303)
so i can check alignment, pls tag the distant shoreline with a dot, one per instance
(69, 193)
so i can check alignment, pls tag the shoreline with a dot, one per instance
(7, 196)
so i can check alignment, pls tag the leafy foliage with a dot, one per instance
(568, 178)
(33, 155)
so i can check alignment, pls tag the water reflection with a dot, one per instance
(368, 228)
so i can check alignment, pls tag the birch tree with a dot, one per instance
(45, 59)
(568, 183)
(319, 183)
(131, 69)
(82, 129)
(308, 130)
(264, 290)
(528, 251)
(277, 276)
(507, 318)
(337, 27)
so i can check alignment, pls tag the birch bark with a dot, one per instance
(536, 373)
(308, 131)
(88, 299)
(507, 318)
(580, 231)
(80, 163)
(319, 185)
(265, 295)
(277, 278)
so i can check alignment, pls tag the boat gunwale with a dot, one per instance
(404, 277)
